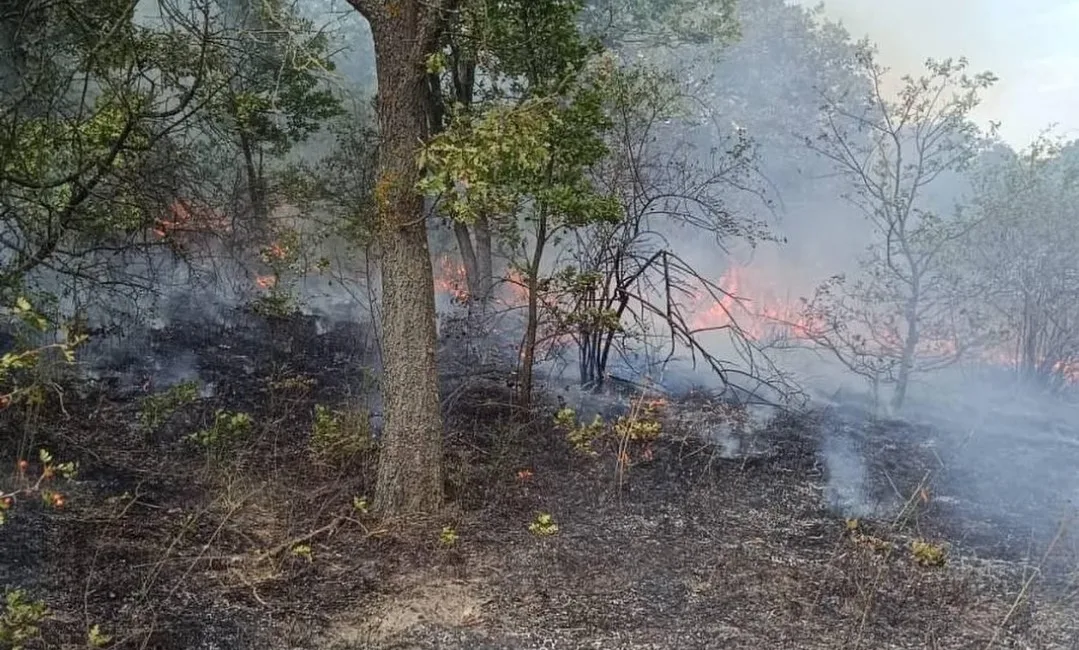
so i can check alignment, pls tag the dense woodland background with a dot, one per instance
(362, 264)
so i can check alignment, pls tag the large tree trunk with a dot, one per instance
(410, 463)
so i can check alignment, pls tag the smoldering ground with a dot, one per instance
(736, 527)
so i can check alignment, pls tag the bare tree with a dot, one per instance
(899, 317)
(624, 282)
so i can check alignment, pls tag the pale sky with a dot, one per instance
(1031, 45)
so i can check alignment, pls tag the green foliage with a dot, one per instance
(156, 409)
(543, 526)
(82, 125)
(339, 187)
(25, 370)
(528, 157)
(663, 23)
(304, 551)
(221, 437)
(95, 638)
(338, 438)
(278, 96)
(20, 622)
(27, 486)
(529, 134)
(525, 47)
(448, 536)
(928, 554)
(581, 436)
(640, 425)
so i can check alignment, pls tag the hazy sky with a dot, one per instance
(1032, 45)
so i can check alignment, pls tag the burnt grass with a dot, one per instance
(164, 546)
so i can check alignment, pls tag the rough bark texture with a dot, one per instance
(410, 465)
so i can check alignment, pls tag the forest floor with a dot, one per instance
(163, 545)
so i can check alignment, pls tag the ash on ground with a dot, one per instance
(730, 531)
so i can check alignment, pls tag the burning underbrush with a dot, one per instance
(226, 465)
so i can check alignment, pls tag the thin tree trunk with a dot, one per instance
(476, 255)
(468, 258)
(906, 363)
(484, 261)
(410, 462)
(256, 187)
(528, 349)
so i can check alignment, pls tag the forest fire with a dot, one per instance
(754, 309)
(450, 278)
(185, 218)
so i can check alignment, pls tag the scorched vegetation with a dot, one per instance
(470, 324)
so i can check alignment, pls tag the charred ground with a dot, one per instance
(164, 546)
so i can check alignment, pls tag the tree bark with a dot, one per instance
(528, 347)
(475, 255)
(256, 183)
(484, 261)
(468, 258)
(906, 362)
(410, 462)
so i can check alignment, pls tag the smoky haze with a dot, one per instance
(1005, 453)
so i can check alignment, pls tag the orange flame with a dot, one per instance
(450, 278)
(753, 306)
(183, 217)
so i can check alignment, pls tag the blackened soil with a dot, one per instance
(165, 546)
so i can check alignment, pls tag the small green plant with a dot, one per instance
(21, 620)
(928, 554)
(543, 526)
(229, 427)
(27, 370)
(641, 425)
(360, 505)
(304, 551)
(448, 536)
(27, 486)
(155, 409)
(95, 638)
(581, 436)
(338, 437)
